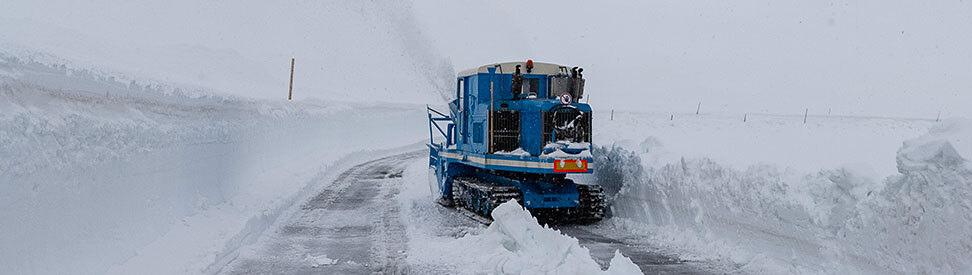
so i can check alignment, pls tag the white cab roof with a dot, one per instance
(510, 67)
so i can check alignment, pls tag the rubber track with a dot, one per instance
(481, 198)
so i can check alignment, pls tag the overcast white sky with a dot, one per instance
(891, 58)
(887, 58)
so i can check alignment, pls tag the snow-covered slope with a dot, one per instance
(99, 173)
(768, 213)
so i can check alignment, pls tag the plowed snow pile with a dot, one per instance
(516, 244)
(767, 219)
(921, 222)
(442, 241)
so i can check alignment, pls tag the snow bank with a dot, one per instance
(99, 174)
(947, 144)
(516, 244)
(921, 221)
(770, 219)
(824, 142)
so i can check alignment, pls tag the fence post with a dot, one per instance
(290, 95)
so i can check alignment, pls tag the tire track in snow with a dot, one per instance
(353, 226)
(602, 243)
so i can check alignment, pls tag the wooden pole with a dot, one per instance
(805, 113)
(290, 96)
(745, 116)
(612, 114)
(699, 109)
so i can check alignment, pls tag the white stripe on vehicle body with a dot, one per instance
(505, 162)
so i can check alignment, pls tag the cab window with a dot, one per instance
(531, 86)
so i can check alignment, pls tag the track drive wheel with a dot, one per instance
(591, 203)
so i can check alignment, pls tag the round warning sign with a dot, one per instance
(566, 99)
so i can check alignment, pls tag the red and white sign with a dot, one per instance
(570, 165)
(565, 99)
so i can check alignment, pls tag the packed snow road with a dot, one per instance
(356, 226)
(603, 244)
(352, 226)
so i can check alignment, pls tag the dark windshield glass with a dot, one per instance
(531, 86)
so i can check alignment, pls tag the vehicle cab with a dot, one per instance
(520, 116)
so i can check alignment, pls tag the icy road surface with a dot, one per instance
(356, 226)
(650, 261)
(352, 226)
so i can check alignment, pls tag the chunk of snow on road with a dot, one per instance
(622, 265)
(319, 261)
(516, 244)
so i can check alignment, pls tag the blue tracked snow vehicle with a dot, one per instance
(514, 131)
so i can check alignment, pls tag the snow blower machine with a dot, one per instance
(515, 131)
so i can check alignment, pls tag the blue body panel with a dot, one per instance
(545, 195)
(465, 152)
(472, 135)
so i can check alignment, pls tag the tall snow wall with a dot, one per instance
(100, 172)
(768, 219)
